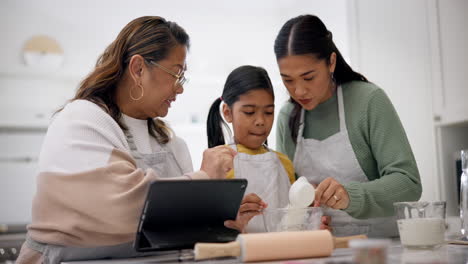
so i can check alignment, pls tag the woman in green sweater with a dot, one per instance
(342, 133)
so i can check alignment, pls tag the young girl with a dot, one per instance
(249, 106)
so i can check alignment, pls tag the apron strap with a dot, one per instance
(232, 144)
(138, 156)
(131, 143)
(341, 113)
(300, 131)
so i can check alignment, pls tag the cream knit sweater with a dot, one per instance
(89, 189)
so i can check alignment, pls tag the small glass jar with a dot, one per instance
(464, 195)
(370, 251)
(421, 225)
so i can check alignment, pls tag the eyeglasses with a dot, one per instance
(180, 78)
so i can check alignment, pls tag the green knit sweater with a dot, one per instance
(379, 143)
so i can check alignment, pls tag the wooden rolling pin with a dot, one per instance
(275, 246)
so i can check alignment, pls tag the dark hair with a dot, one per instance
(240, 81)
(152, 37)
(307, 34)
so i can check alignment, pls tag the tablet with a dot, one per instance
(179, 213)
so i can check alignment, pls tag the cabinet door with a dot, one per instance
(18, 171)
(449, 22)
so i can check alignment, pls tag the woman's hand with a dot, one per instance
(218, 161)
(251, 206)
(332, 194)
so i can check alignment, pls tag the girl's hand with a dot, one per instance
(326, 219)
(325, 225)
(332, 194)
(251, 206)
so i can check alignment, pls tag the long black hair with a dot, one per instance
(307, 34)
(240, 81)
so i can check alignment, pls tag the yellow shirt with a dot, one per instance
(287, 164)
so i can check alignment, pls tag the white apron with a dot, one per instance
(164, 163)
(334, 157)
(267, 178)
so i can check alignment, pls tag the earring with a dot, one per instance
(333, 83)
(332, 75)
(142, 92)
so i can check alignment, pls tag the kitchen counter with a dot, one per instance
(446, 254)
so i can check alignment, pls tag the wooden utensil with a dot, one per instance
(275, 246)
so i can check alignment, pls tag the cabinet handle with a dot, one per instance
(437, 118)
(25, 159)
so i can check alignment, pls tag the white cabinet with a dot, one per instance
(449, 39)
(18, 169)
(416, 51)
(28, 100)
(448, 21)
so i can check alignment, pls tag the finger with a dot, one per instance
(231, 224)
(226, 150)
(232, 152)
(226, 165)
(226, 162)
(326, 219)
(330, 191)
(338, 205)
(321, 188)
(343, 201)
(247, 207)
(331, 202)
(326, 227)
(249, 215)
(252, 198)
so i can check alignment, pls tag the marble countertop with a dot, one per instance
(446, 254)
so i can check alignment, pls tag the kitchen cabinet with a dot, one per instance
(18, 169)
(447, 23)
(29, 99)
(449, 39)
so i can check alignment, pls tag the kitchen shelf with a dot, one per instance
(41, 75)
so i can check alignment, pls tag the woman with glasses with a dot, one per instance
(342, 133)
(108, 143)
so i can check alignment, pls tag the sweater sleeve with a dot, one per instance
(398, 178)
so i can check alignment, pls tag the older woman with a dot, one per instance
(104, 148)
